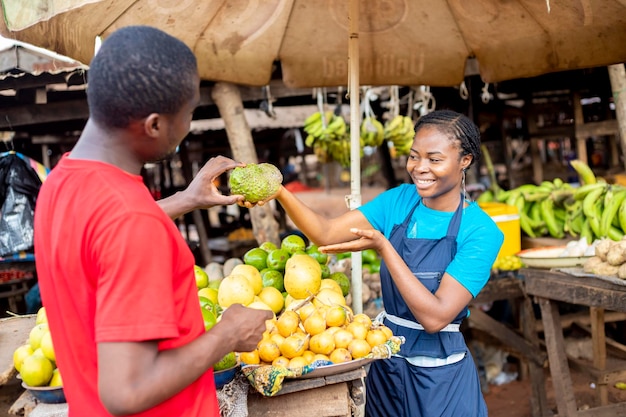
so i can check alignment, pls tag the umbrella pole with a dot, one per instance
(355, 146)
(617, 75)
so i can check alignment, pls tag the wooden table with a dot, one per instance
(549, 287)
(525, 345)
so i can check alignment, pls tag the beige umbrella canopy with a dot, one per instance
(402, 42)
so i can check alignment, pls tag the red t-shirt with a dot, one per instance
(112, 266)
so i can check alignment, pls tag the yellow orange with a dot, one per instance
(294, 345)
(297, 362)
(343, 338)
(306, 310)
(363, 318)
(268, 350)
(340, 355)
(387, 331)
(359, 348)
(277, 338)
(308, 355)
(250, 358)
(323, 343)
(335, 316)
(321, 357)
(328, 297)
(315, 324)
(252, 275)
(375, 337)
(358, 330)
(281, 361)
(331, 284)
(273, 298)
(287, 323)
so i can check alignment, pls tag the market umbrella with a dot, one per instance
(402, 42)
(390, 42)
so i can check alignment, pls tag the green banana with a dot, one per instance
(586, 231)
(615, 234)
(525, 225)
(547, 214)
(621, 214)
(581, 192)
(584, 172)
(611, 207)
(590, 201)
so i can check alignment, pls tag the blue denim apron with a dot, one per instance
(394, 387)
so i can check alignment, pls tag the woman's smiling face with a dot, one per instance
(436, 167)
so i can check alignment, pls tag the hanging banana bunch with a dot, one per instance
(399, 130)
(555, 208)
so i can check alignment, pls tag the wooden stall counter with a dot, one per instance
(551, 286)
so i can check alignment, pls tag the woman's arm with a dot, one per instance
(317, 228)
(433, 311)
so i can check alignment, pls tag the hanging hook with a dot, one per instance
(463, 91)
(424, 100)
(267, 104)
(486, 96)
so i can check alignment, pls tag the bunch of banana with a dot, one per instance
(594, 210)
(401, 132)
(372, 132)
(327, 133)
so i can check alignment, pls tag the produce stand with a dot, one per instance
(338, 395)
(552, 286)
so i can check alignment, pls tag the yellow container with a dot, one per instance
(507, 220)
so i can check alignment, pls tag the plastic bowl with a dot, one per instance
(49, 395)
(224, 376)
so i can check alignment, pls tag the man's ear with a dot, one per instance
(152, 124)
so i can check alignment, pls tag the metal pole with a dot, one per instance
(355, 147)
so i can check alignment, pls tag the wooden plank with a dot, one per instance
(615, 370)
(561, 378)
(598, 343)
(13, 333)
(583, 320)
(500, 289)
(296, 385)
(538, 398)
(327, 401)
(590, 292)
(613, 410)
(601, 128)
(482, 321)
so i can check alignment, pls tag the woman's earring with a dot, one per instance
(463, 184)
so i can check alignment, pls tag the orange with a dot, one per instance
(294, 345)
(358, 330)
(336, 316)
(273, 298)
(297, 362)
(268, 350)
(323, 343)
(387, 331)
(363, 318)
(340, 355)
(376, 337)
(277, 338)
(315, 324)
(309, 356)
(281, 361)
(330, 284)
(306, 310)
(321, 357)
(250, 358)
(359, 348)
(287, 323)
(328, 297)
(333, 330)
(343, 338)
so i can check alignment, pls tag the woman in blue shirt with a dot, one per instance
(437, 250)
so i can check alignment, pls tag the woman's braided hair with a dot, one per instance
(457, 127)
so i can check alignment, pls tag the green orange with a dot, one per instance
(277, 259)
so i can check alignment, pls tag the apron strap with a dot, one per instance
(399, 321)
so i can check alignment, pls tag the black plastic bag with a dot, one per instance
(19, 186)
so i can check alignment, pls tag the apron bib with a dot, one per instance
(394, 386)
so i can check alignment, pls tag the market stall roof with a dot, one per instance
(19, 58)
(418, 42)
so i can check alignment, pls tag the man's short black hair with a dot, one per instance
(139, 70)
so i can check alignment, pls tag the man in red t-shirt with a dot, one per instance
(115, 274)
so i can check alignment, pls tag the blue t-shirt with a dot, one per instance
(478, 241)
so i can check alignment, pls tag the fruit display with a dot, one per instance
(256, 182)
(35, 360)
(508, 263)
(594, 210)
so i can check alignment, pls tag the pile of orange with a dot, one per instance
(311, 331)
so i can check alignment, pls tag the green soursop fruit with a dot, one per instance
(256, 182)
